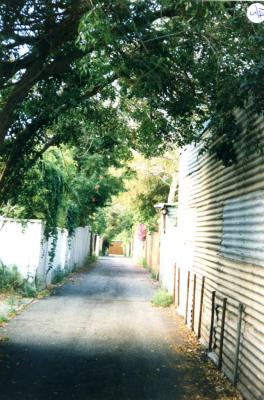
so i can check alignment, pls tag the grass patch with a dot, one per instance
(13, 282)
(162, 298)
(153, 274)
(143, 263)
(58, 276)
(43, 293)
(3, 320)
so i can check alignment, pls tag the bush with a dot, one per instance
(58, 276)
(162, 298)
(12, 281)
(3, 319)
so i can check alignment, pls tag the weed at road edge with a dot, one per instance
(162, 298)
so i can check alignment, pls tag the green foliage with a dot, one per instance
(65, 189)
(147, 183)
(143, 263)
(157, 192)
(3, 320)
(12, 281)
(116, 76)
(115, 222)
(174, 64)
(162, 298)
(42, 194)
(58, 275)
(150, 185)
(91, 260)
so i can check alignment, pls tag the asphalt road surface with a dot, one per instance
(98, 338)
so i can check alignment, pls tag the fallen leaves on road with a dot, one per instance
(205, 369)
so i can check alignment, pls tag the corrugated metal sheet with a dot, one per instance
(189, 165)
(225, 209)
(243, 228)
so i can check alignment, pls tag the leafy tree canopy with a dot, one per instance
(58, 191)
(147, 73)
(99, 78)
(148, 183)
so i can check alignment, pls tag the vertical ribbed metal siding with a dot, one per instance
(228, 249)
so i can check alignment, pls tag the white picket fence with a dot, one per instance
(24, 246)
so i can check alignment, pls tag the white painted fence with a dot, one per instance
(25, 247)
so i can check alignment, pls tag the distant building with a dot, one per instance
(116, 248)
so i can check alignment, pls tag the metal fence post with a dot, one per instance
(193, 301)
(222, 333)
(212, 322)
(187, 298)
(201, 309)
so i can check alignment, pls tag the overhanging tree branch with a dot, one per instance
(48, 46)
(31, 77)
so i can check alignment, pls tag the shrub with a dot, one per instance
(162, 298)
(3, 319)
(58, 275)
(12, 281)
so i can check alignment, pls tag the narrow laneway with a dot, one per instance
(99, 338)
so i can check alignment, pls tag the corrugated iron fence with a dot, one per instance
(220, 262)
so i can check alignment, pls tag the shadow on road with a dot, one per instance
(56, 372)
(99, 338)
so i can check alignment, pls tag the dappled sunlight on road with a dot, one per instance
(99, 338)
